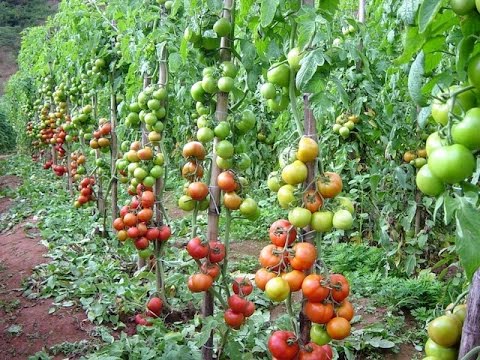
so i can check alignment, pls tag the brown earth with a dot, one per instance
(26, 327)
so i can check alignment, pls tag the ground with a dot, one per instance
(26, 325)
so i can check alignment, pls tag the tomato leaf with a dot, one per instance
(413, 42)
(267, 11)
(245, 6)
(408, 10)
(341, 91)
(426, 14)
(309, 67)
(464, 49)
(329, 6)
(415, 80)
(468, 241)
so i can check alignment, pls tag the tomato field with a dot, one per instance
(241, 179)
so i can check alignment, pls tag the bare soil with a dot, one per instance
(26, 327)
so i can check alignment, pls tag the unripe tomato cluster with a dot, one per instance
(136, 221)
(417, 158)
(307, 207)
(208, 256)
(239, 308)
(344, 124)
(86, 192)
(77, 165)
(84, 122)
(101, 136)
(444, 334)
(141, 165)
(451, 163)
(150, 109)
(276, 89)
(210, 40)
(153, 310)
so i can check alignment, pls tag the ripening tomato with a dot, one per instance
(145, 215)
(338, 328)
(118, 224)
(194, 149)
(155, 305)
(217, 251)
(295, 279)
(329, 184)
(312, 200)
(318, 312)
(280, 231)
(277, 289)
(242, 286)
(213, 270)
(312, 351)
(192, 171)
(295, 173)
(304, 256)
(186, 203)
(199, 282)
(445, 330)
(232, 200)
(345, 310)
(262, 276)
(152, 234)
(237, 303)
(197, 248)
(226, 181)
(340, 287)
(197, 190)
(233, 319)
(307, 149)
(272, 257)
(313, 288)
(283, 345)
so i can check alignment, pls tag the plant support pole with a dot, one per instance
(471, 326)
(213, 210)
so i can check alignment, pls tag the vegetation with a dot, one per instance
(303, 122)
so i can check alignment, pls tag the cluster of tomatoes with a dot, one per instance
(444, 334)
(59, 170)
(195, 190)
(135, 221)
(77, 165)
(86, 192)
(153, 310)
(83, 122)
(209, 40)
(239, 308)
(417, 158)
(344, 124)
(276, 89)
(311, 210)
(208, 256)
(150, 109)
(101, 136)
(141, 165)
(283, 345)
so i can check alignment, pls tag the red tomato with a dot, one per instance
(283, 345)
(233, 319)
(329, 184)
(304, 257)
(318, 313)
(282, 231)
(217, 252)
(197, 248)
(242, 286)
(313, 289)
(340, 287)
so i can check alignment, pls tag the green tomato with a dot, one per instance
(473, 70)
(154, 104)
(286, 197)
(452, 164)
(342, 220)
(278, 104)
(440, 352)
(345, 203)
(336, 128)
(203, 121)
(294, 59)
(268, 91)
(205, 135)
(140, 174)
(186, 203)
(222, 27)
(463, 102)
(209, 84)
(279, 74)
(157, 171)
(149, 181)
(434, 141)
(247, 122)
(248, 207)
(160, 94)
(467, 131)
(274, 181)
(222, 130)
(225, 84)
(295, 173)
(197, 91)
(159, 159)
(243, 161)
(277, 289)
(228, 69)
(134, 107)
(150, 119)
(224, 164)
(319, 335)
(344, 132)
(300, 217)
(208, 71)
(445, 330)
(462, 7)
(224, 149)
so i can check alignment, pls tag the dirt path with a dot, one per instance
(26, 327)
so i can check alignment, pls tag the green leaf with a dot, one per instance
(468, 241)
(426, 14)
(183, 50)
(267, 11)
(245, 6)
(412, 43)
(464, 49)
(415, 80)
(329, 6)
(309, 67)
(341, 91)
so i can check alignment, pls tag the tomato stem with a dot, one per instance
(228, 222)
(290, 314)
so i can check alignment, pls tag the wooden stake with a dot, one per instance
(471, 326)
